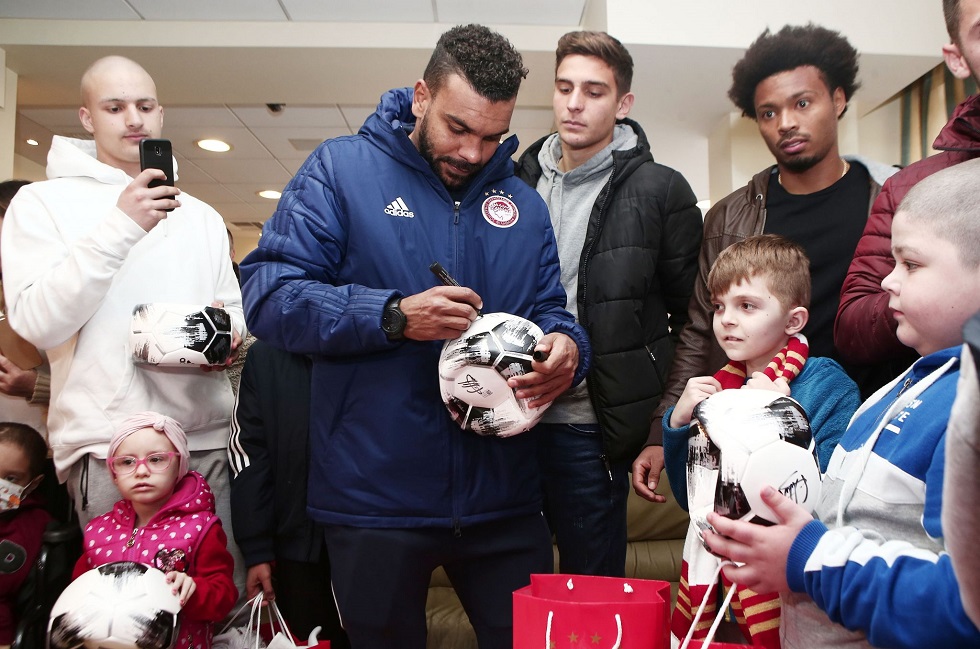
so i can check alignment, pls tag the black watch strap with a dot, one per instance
(393, 320)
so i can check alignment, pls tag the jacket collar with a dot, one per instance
(962, 132)
(191, 494)
(390, 125)
(528, 166)
(878, 173)
(71, 157)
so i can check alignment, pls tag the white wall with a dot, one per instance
(880, 135)
(908, 27)
(8, 118)
(26, 169)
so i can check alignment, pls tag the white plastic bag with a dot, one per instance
(242, 637)
(249, 636)
(281, 636)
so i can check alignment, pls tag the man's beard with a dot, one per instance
(450, 181)
(798, 163)
(801, 164)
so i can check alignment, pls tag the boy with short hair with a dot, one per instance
(760, 291)
(874, 561)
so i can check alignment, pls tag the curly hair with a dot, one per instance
(487, 60)
(604, 47)
(790, 48)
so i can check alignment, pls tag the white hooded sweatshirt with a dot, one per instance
(74, 266)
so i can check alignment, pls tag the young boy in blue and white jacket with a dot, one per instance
(874, 561)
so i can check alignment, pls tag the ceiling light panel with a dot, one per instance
(215, 146)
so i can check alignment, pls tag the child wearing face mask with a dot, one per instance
(165, 520)
(22, 517)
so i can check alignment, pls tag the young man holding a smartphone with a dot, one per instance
(80, 251)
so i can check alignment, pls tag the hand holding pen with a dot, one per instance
(539, 355)
(440, 312)
(546, 382)
(447, 279)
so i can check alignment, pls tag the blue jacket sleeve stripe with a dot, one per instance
(864, 584)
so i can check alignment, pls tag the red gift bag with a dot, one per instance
(572, 611)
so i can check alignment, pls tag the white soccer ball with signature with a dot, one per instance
(473, 373)
(122, 605)
(742, 441)
(181, 335)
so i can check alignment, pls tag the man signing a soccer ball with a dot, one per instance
(342, 274)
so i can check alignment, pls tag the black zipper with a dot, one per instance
(457, 532)
(583, 311)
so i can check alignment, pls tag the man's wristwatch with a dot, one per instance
(393, 320)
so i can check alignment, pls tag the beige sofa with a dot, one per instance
(655, 542)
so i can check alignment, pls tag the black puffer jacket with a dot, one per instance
(268, 452)
(638, 265)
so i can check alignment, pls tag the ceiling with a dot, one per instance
(219, 63)
(267, 147)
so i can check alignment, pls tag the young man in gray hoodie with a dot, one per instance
(628, 234)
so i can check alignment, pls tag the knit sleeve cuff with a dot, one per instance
(42, 387)
(576, 333)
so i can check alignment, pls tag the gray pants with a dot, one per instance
(95, 493)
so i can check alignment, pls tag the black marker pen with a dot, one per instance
(446, 278)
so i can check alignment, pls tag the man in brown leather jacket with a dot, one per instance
(796, 84)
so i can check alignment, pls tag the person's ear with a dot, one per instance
(796, 320)
(955, 61)
(625, 104)
(86, 118)
(421, 99)
(840, 101)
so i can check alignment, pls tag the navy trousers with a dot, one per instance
(585, 499)
(381, 577)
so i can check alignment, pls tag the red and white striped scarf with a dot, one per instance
(787, 364)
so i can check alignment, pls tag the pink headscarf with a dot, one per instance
(160, 423)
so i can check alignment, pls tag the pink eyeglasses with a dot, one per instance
(155, 462)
